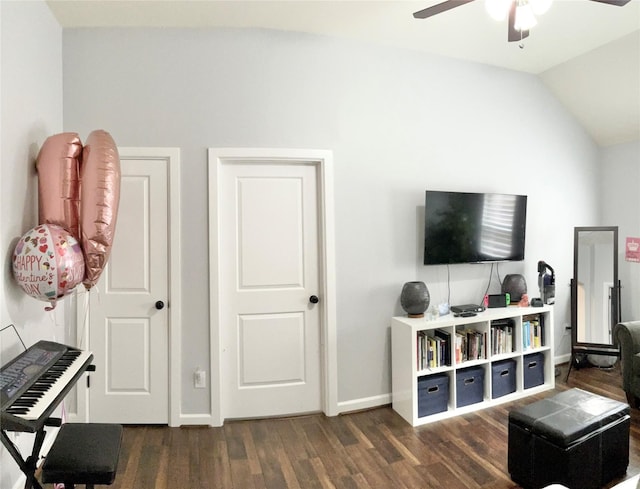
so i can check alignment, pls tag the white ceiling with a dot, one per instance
(587, 52)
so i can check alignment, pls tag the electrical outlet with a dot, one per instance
(199, 379)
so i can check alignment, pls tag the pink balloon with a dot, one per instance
(48, 263)
(58, 165)
(99, 200)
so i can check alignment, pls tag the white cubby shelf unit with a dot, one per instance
(408, 369)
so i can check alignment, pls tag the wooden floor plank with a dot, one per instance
(372, 449)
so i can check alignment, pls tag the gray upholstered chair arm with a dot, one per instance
(627, 336)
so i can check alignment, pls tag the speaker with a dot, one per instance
(498, 300)
(515, 285)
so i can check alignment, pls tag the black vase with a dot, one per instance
(415, 299)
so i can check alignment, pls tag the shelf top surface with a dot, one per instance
(487, 315)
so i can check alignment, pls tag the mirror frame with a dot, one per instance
(579, 347)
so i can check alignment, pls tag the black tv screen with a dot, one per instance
(465, 227)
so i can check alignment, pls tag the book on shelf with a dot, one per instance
(444, 337)
(460, 343)
(502, 337)
(470, 345)
(434, 349)
(533, 335)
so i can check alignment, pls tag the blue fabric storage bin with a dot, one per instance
(503, 378)
(469, 385)
(433, 394)
(533, 366)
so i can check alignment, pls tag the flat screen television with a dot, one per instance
(465, 227)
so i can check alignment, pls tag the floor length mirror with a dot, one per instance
(595, 296)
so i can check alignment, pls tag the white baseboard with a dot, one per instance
(195, 420)
(566, 358)
(364, 403)
(343, 407)
(20, 482)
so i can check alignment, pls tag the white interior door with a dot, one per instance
(128, 331)
(268, 265)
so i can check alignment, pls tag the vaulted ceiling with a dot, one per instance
(586, 52)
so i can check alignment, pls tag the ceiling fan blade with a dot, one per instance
(617, 3)
(441, 7)
(514, 34)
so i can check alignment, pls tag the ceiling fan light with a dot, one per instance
(498, 9)
(539, 7)
(525, 19)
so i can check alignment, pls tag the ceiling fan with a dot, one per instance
(521, 15)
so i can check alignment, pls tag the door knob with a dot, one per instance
(159, 305)
(314, 299)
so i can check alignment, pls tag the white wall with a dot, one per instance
(398, 122)
(31, 101)
(620, 177)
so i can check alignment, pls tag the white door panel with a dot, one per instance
(129, 336)
(131, 372)
(269, 214)
(281, 363)
(129, 262)
(269, 269)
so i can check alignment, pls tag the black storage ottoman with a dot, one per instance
(503, 378)
(533, 365)
(575, 438)
(433, 394)
(469, 386)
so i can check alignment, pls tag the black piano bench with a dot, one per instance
(83, 453)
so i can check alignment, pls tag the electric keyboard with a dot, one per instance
(36, 381)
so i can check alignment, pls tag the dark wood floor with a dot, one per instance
(369, 449)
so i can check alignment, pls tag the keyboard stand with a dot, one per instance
(30, 465)
(65, 374)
